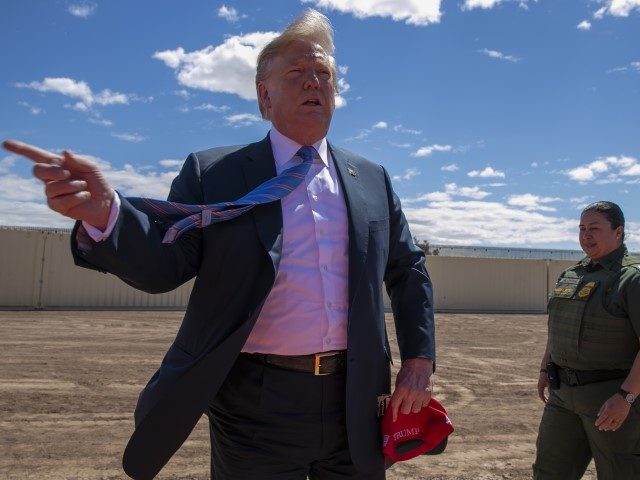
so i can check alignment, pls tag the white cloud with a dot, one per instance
(410, 131)
(81, 90)
(183, 93)
(412, 12)
(484, 4)
(380, 125)
(212, 108)
(532, 202)
(584, 25)
(429, 149)
(534, 164)
(32, 109)
(450, 222)
(471, 192)
(450, 168)
(489, 4)
(631, 66)
(610, 169)
(230, 14)
(618, 8)
(450, 190)
(170, 163)
(228, 68)
(100, 121)
(82, 10)
(129, 137)
(488, 172)
(409, 173)
(242, 119)
(498, 55)
(7, 163)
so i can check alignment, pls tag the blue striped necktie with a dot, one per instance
(188, 216)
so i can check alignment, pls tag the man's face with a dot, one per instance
(298, 92)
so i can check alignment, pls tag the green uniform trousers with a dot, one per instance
(568, 437)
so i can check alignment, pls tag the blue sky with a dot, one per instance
(497, 119)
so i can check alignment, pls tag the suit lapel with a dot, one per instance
(259, 166)
(355, 200)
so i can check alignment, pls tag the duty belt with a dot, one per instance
(574, 378)
(322, 363)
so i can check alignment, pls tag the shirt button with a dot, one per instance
(325, 268)
(327, 341)
(329, 304)
(315, 197)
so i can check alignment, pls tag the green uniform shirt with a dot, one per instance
(594, 313)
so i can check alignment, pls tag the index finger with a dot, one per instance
(32, 152)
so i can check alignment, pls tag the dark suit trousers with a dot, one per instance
(268, 423)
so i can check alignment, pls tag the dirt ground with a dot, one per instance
(69, 383)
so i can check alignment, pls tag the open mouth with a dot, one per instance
(313, 103)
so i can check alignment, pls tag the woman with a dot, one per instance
(591, 366)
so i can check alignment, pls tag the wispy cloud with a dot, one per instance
(489, 4)
(429, 149)
(472, 222)
(171, 163)
(81, 91)
(212, 108)
(129, 137)
(617, 8)
(228, 68)
(230, 14)
(242, 119)
(499, 55)
(450, 190)
(364, 133)
(409, 173)
(33, 110)
(82, 10)
(610, 169)
(532, 202)
(100, 121)
(584, 25)
(632, 66)
(452, 167)
(411, 131)
(488, 172)
(412, 12)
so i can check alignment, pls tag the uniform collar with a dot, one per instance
(608, 262)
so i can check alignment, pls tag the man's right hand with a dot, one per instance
(74, 185)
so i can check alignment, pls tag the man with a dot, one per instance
(283, 342)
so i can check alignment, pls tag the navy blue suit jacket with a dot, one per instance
(235, 265)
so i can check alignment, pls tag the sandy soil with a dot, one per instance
(69, 382)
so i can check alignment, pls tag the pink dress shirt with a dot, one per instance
(306, 310)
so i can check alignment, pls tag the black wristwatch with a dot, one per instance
(628, 396)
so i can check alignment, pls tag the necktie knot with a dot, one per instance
(307, 153)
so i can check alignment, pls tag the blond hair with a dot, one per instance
(312, 26)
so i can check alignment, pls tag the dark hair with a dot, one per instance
(610, 210)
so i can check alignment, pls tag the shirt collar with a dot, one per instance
(608, 261)
(284, 149)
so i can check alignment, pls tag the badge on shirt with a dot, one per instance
(566, 287)
(586, 289)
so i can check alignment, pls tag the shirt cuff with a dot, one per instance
(98, 235)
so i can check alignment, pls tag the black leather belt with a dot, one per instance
(574, 378)
(323, 363)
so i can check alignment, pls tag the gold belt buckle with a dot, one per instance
(318, 356)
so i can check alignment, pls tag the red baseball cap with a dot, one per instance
(415, 434)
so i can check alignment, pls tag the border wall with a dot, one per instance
(38, 273)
